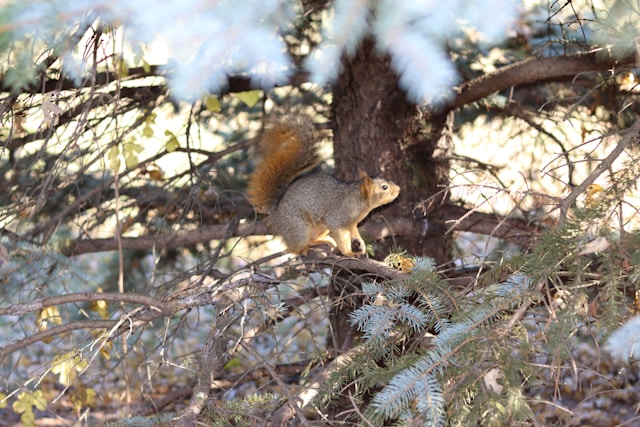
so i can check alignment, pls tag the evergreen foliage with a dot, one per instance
(433, 356)
(204, 45)
(132, 267)
(414, 332)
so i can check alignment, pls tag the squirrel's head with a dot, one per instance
(378, 191)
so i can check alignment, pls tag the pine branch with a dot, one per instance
(535, 70)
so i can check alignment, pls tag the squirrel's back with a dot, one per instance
(321, 197)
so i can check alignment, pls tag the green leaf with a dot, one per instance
(212, 103)
(114, 158)
(121, 66)
(250, 97)
(147, 131)
(131, 161)
(66, 366)
(172, 143)
(130, 150)
(82, 397)
(25, 403)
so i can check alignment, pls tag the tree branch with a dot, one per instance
(630, 135)
(55, 331)
(173, 240)
(20, 309)
(234, 83)
(140, 97)
(304, 395)
(531, 71)
(515, 230)
(214, 356)
(124, 322)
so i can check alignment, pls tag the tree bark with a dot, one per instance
(378, 131)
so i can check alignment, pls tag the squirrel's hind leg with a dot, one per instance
(344, 241)
(323, 238)
(299, 237)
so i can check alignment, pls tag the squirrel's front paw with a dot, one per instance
(358, 247)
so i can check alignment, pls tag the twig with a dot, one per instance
(213, 358)
(355, 408)
(20, 309)
(306, 394)
(139, 319)
(290, 398)
(630, 135)
(55, 331)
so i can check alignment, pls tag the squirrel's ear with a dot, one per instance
(366, 186)
(362, 175)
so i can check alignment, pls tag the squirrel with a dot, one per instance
(316, 208)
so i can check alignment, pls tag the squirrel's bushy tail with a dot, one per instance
(287, 149)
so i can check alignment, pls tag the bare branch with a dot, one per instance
(20, 309)
(515, 230)
(534, 70)
(630, 135)
(306, 394)
(234, 83)
(176, 239)
(134, 318)
(213, 358)
(53, 332)
(141, 96)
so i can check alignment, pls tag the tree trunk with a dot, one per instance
(378, 131)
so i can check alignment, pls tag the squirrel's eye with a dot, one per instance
(385, 187)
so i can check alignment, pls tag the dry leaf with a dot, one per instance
(51, 111)
(491, 380)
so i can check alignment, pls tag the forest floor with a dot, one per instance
(592, 390)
